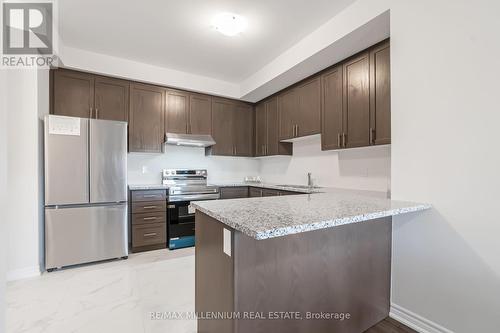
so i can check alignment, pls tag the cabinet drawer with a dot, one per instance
(149, 206)
(233, 192)
(149, 195)
(148, 218)
(149, 234)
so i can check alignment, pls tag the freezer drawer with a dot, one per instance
(85, 234)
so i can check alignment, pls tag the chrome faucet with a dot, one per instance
(309, 180)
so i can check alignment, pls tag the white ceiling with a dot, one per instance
(177, 34)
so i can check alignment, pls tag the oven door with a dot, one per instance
(180, 219)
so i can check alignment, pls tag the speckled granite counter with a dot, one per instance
(291, 188)
(147, 187)
(269, 217)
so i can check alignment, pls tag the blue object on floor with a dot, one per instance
(181, 242)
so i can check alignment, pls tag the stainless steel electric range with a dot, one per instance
(184, 186)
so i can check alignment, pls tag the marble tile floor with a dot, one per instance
(114, 296)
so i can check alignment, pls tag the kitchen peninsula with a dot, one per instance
(319, 254)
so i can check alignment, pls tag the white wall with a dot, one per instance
(3, 194)
(124, 68)
(22, 182)
(445, 120)
(361, 168)
(220, 169)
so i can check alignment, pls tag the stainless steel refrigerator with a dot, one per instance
(85, 190)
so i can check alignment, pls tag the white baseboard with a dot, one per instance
(413, 320)
(23, 273)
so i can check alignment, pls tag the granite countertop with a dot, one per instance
(269, 217)
(274, 187)
(138, 187)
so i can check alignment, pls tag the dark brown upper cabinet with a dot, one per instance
(222, 125)
(177, 112)
(232, 128)
(300, 110)
(380, 95)
(288, 108)
(111, 99)
(356, 102)
(260, 129)
(83, 95)
(146, 125)
(72, 94)
(309, 113)
(266, 129)
(331, 109)
(243, 127)
(200, 114)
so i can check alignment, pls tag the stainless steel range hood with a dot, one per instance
(190, 140)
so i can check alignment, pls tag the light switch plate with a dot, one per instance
(227, 242)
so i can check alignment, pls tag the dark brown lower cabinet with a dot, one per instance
(233, 192)
(146, 124)
(270, 192)
(148, 220)
(254, 192)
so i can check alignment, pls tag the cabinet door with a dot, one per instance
(243, 127)
(261, 139)
(380, 95)
(233, 192)
(274, 146)
(331, 109)
(269, 192)
(146, 128)
(73, 94)
(176, 112)
(200, 114)
(254, 192)
(288, 108)
(111, 99)
(356, 106)
(309, 114)
(222, 127)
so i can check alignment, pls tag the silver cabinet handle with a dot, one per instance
(152, 234)
(149, 218)
(96, 113)
(344, 140)
(150, 195)
(338, 140)
(90, 112)
(149, 207)
(372, 135)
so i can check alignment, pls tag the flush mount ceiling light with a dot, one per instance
(229, 24)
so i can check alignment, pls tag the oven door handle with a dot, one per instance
(193, 197)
